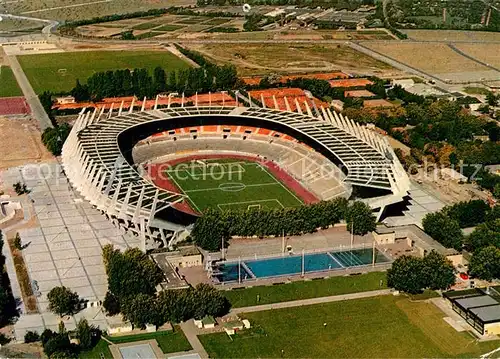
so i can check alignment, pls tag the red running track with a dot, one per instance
(14, 106)
(156, 173)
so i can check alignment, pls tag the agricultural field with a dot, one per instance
(15, 25)
(262, 59)
(78, 9)
(231, 185)
(379, 327)
(9, 86)
(163, 26)
(452, 35)
(436, 59)
(59, 72)
(487, 53)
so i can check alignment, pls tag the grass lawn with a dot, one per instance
(8, 83)
(472, 90)
(306, 289)
(231, 184)
(59, 72)
(101, 347)
(169, 342)
(380, 327)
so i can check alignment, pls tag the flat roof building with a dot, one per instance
(479, 307)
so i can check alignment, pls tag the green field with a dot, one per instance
(228, 184)
(379, 327)
(59, 72)
(168, 341)
(306, 289)
(169, 27)
(8, 83)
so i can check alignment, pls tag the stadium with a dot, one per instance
(153, 172)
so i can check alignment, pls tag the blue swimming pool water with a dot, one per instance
(291, 265)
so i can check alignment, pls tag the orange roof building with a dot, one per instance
(350, 83)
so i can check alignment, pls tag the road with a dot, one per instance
(191, 333)
(37, 110)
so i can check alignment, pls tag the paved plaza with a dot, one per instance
(64, 247)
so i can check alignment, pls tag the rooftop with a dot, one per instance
(474, 302)
(489, 313)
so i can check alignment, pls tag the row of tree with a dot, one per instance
(132, 281)
(446, 226)
(483, 243)
(214, 226)
(58, 345)
(412, 274)
(8, 307)
(141, 83)
(325, 4)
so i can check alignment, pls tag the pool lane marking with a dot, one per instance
(350, 258)
(335, 259)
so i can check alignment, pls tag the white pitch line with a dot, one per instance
(66, 7)
(282, 185)
(218, 188)
(194, 204)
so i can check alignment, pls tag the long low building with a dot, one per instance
(479, 307)
(98, 160)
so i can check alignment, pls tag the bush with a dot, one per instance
(31, 337)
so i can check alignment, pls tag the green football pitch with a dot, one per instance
(231, 185)
(58, 72)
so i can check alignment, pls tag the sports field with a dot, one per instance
(59, 72)
(230, 185)
(8, 83)
(379, 327)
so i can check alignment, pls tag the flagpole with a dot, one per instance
(303, 269)
(239, 269)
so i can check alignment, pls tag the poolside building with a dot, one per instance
(479, 307)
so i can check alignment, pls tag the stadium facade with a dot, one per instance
(99, 162)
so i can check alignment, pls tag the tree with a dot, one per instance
(405, 275)
(63, 301)
(80, 92)
(84, 333)
(362, 216)
(209, 301)
(130, 273)
(111, 304)
(17, 242)
(483, 236)
(53, 138)
(443, 229)
(438, 271)
(485, 264)
(491, 99)
(46, 101)
(468, 213)
(31, 337)
(59, 342)
(140, 310)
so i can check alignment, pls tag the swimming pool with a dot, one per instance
(292, 265)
